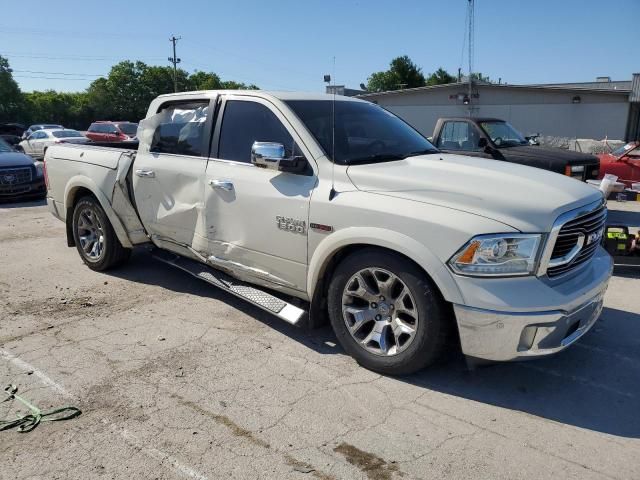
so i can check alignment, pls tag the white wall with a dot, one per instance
(546, 113)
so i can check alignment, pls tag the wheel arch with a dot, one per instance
(331, 251)
(80, 186)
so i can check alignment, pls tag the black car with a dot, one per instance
(497, 139)
(20, 176)
(12, 133)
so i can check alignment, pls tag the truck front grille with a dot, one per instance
(11, 177)
(586, 230)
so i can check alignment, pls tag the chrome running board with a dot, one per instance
(268, 302)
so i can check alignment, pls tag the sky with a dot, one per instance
(290, 45)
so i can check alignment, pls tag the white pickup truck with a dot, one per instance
(314, 207)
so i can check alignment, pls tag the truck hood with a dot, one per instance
(525, 198)
(554, 159)
(15, 159)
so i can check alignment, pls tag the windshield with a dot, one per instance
(364, 132)
(502, 134)
(4, 147)
(67, 134)
(129, 129)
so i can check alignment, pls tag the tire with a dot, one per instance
(383, 341)
(94, 237)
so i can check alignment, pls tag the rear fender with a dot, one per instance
(79, 182)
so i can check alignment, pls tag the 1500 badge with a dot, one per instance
(291, 224)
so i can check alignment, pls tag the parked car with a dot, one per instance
(20, 176)
(104, 131)
(15, 129)
(37, 143)
(497, 139)
(13, 140)
(401, 246)
(623, 163)
(40, 126)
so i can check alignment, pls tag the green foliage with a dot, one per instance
(124, 94)
(440, 77)
(11, 101)
(402, 73)
(481, 78)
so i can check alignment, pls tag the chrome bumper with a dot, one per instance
(500, 336)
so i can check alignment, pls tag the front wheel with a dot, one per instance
(386, 313)
(94, 237)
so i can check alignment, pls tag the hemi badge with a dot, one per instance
(322, 228)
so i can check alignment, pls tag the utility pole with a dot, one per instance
(471, 35)
(175, 60)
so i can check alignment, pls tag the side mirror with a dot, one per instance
(483, 143)
(272, 156)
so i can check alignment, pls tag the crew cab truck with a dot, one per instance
(496, 139)
(314, 207)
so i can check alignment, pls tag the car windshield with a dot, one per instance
(618, 152)
(364, 132)
(129, 129)
(502, 134)
(67, 134)
(5, 147)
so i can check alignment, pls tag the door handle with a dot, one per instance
(145, 173)
(225, 185)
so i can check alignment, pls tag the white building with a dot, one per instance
(579, 110)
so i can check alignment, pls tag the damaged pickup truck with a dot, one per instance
(314, 207)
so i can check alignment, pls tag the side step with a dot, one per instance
(272, 304)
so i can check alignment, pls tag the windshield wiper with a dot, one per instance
(426, 151)
(380, 157)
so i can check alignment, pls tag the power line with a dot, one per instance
(51, 78)
(81, 58)
(59, 73)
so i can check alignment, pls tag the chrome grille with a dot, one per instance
(15, 176)
(585, 232)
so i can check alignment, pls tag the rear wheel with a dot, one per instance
(94, 237)
(387, 313)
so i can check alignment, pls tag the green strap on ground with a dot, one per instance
(28, 422)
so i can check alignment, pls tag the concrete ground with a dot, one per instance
(178, 380)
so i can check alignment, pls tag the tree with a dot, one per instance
(11, 99)
(479, 77)
(440, 77)
(402, 73)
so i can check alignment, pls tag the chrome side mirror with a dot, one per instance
(272, 155)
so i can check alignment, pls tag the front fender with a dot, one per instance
(391, 240)
(80, 181)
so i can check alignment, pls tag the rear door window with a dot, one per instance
(181, 129)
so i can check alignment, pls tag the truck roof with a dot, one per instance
(475, 119)
(280, 95)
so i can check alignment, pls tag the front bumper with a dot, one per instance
(529, 330)
(34, 188)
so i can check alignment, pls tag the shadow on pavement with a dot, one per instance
(595, 384)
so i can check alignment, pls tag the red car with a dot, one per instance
(112, 131)
(623, 163)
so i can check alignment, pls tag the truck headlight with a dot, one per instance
(497, 255)
(39, 169)
(577, 168)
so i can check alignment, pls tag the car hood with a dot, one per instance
(550, 157)
(15, 159)
(528, 199)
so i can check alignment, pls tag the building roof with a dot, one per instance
(546, 87)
